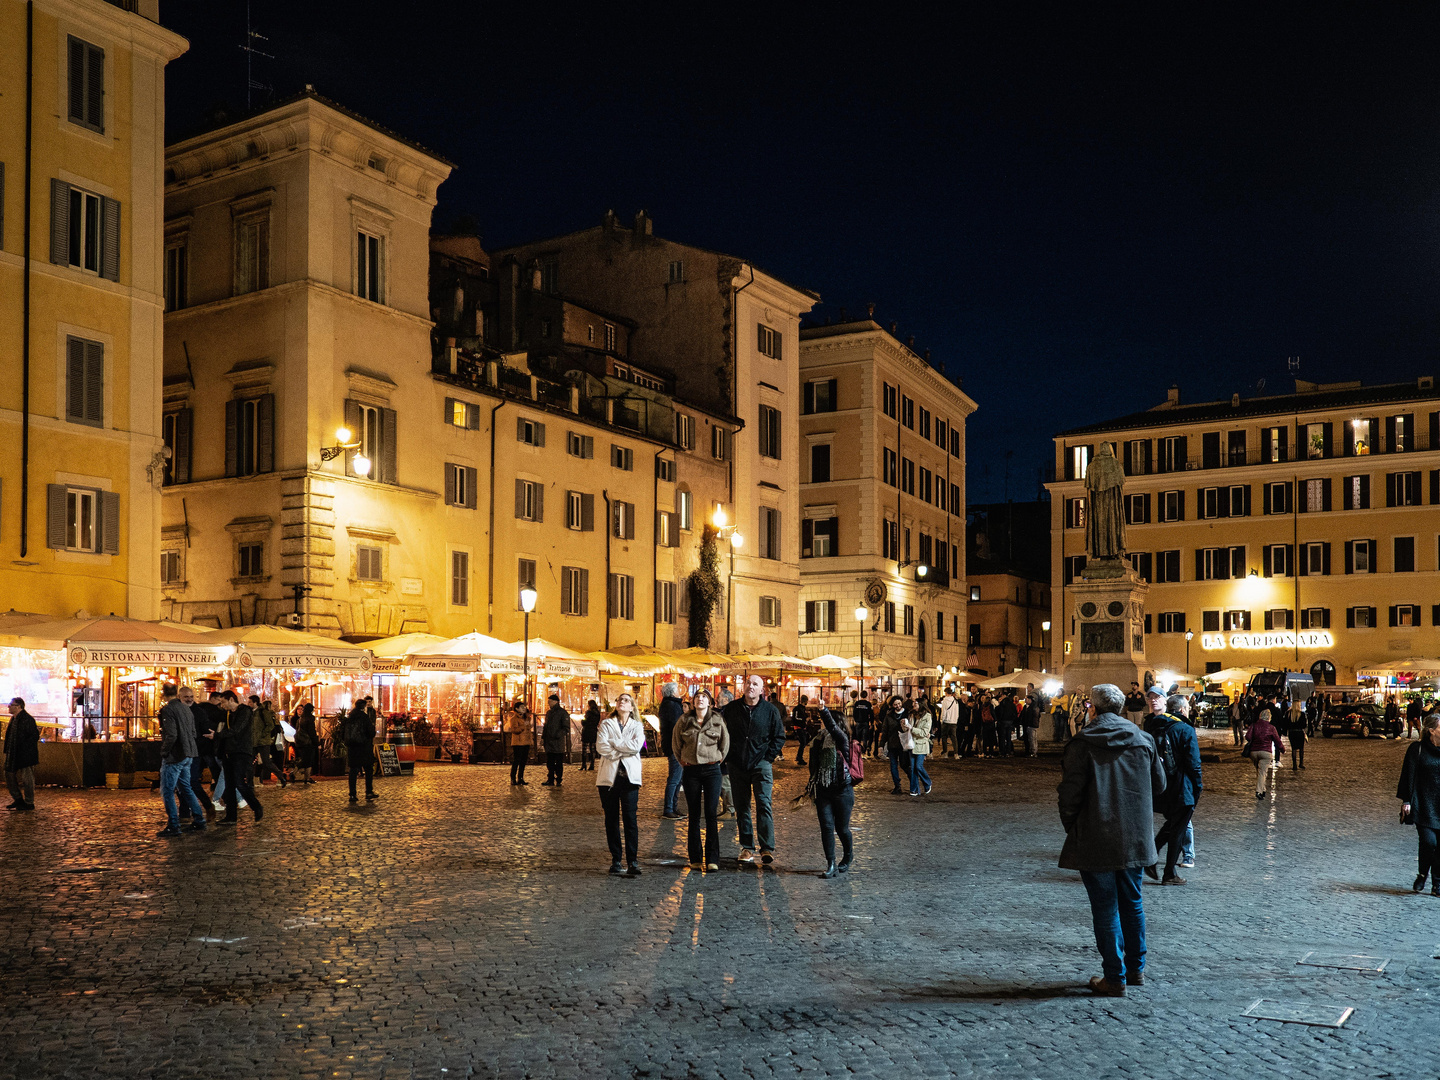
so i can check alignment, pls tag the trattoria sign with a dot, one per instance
(1278, 639)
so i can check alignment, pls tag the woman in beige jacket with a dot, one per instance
(701, 741)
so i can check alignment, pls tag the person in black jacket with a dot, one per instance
(1006, 715)
(589, 733)
(671, 710)
(555, 734)
(757, 738)
(1179, 750)
(892, 723)
(1419, 795)
(832, 790)
(22, 754)
(359, 732)
(237, 737)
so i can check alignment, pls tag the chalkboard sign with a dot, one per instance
(389, 762)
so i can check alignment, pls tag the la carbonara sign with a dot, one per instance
(1279, 639)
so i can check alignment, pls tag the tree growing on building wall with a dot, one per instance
(704, 588)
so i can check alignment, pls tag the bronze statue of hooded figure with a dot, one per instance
(1105, 525)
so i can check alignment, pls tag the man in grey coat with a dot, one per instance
(177, 751)
(1111, 777)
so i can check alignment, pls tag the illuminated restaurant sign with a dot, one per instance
(1278, 639)
(144, 656)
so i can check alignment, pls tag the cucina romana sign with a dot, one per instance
(1278, 639)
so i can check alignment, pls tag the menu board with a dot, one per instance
(389, 760)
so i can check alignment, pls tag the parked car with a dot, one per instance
(1363, 718)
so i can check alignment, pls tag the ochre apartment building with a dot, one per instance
(81, 457)
(1299, 531)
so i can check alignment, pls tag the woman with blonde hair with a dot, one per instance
(618, 747)
(701, 742)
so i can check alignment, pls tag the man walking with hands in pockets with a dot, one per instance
(757, 738)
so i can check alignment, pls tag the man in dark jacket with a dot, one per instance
(359, 732)
(555, 734)
(1111, 777)
(177, 752)
(863, 718)
(237, 736)
(1179, 750)
(208, 717)
(1006, 713)
(757, 738)
(589, 735)
(671, 710)
(22, 754)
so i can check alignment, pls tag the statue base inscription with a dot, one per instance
(1108, 606)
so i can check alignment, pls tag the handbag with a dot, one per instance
(856, 762)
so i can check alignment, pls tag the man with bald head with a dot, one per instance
(757, 738)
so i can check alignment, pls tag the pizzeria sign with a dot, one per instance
(1277, 639)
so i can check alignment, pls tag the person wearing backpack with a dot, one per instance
(359, 732)
(1179, 750)
(831, 788)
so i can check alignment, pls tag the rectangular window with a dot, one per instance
(1279, 619)
(459, 579)
(1404, 554)
(890, 539)
(665, 469)
(87, 84)
(529, 500)
(1314, 559)
(889, 624)
(1212, 564)
(1402, 489)
(1360, 556)
(769, 611)
(524, 578)
(769, 432)
(622, 457)
(1240, 501)
(926, 489)
(677, 271)
(84, 382)
(769, 533)
(1235, 448)
(1237, 620)
(907, 412)
(580, 446)
(1167, 566)
(1210, 450)
(1315, 618)
(1401, 437)
(550, 277)
(907, 476)
(622, 596)
(85, 230)
(685, 507)
(1171, 622)
(177, 280)
(1075, 513)
(1137, 509)
(1405, 615)
(574, 591)
(1316, 440)
(530, 432)
(818, 538)
(250, 437)
(1171, 453)
(369, 267)
(1277, 561)
(1143, 563)
(889, 397)
(955, 506)
(820, 463)
(171, 572)
(1361, 618)
(622, 520)
(1210, 622)
(461, 483)
(579, 511)
(820, 396)
(684, 431)
(909, 619)
(820, 616)
(1315, 496)
(767, 341)
(1209, 504)
(924, 422)
(81, 519)
(1074, 566)
(889, 464)
(1273, 443)
(664, 601)
(368, 563)
(941, 440)
(1357, 492)
(252, 253)
(667, 533)
(720, 443)
(462, 414)
(1172, 506)
(609, 337)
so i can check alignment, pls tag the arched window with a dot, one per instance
(1323, 672)
(921, 656)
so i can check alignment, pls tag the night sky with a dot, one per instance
(1072, 207)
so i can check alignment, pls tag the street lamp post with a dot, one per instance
(1188, 635)
(861, 614)
(527, 604)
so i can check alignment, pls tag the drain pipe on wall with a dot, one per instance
(25, 289)
(490, 545)
(609, 532)
(730, 472)
(655, 558)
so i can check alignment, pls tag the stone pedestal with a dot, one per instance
(1108, 605)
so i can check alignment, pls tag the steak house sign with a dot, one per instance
(1278, 639)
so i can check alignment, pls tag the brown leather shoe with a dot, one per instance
(1137, 979)
(1103, 987)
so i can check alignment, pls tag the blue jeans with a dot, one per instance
(672, 783)
(173, 775)
(896, 758)
(1187, 849)
(918, 776)
(1119, 915)
(757, 782)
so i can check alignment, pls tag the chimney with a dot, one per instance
(1234, 401)
(611, 220)
(870, 311)
(1173, 395)
(643, 225)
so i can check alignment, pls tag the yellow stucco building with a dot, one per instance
(82, 111)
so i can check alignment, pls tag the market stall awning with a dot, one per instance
(1018, 679)
(742, 663)
(1233, 675)
(560, 662)
(390, 652)
(280, 648)
(468, 652)
(681, 662)
(1407, 670)
(613, 663)
(831, 662)
(703, 656)
(113, 641)
(874, 664)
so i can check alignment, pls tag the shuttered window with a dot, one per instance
(369, 563)
(84, 382)
(664, 601)
(622, 596)
(529, 500)
(622, 520)
(375, 428)
(574, 590)
(86, 84)
(82, 519)
(369, 267)
(819, 616)
(460, 486)
(459, 579)
(250, 436)
(175, 428)
(252, 252)
(84, 230)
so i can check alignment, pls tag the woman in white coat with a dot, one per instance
(618, 746)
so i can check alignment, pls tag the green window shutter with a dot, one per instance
(59, 223)
(180, 464)
(55, 519)
(232, 438)
(110, 239)
(388, 438)
(471, 495)
(584, 592)
(449, 484)
(265, 437)
(109, 504)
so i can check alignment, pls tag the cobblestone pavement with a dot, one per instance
(461, 927)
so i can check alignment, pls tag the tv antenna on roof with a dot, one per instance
(251, 52)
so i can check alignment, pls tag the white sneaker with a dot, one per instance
(241, 804)
(219, 804)
(1188, 865)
